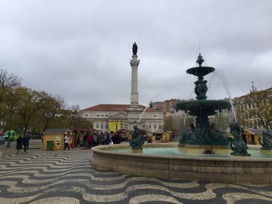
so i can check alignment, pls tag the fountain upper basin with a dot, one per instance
(200, 71)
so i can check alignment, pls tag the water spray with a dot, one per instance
(221, 75)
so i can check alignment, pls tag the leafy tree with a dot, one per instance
(7, 83)
(9, 107)
(27, 107)
(30, 110)
(50, 106)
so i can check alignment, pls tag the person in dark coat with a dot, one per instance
(107, 140)
(26, 139)
(19, 143)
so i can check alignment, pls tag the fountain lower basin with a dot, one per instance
(215, 169)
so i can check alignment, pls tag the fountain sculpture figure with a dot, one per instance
(137, 140)
(267, 142)
(203, 133)
(238, 146)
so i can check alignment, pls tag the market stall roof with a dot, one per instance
(55, 131)
(254, 131)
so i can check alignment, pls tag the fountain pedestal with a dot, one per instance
(137, 151)
(200, 149)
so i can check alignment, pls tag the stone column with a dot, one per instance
(134, 81)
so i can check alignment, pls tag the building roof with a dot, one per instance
(254, 131)
(268, 89)
(115, 108)
(55, 131)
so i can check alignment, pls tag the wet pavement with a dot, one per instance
(68, 177)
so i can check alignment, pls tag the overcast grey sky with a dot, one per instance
(81, 49)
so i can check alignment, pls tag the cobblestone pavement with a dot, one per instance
(68, 177)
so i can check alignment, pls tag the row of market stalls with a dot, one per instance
(53, 139)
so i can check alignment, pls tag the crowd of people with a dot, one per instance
(81, 138)
(91, 139)
(85, 139)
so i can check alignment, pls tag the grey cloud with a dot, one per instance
(81, 49)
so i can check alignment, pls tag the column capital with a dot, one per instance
(135, 63)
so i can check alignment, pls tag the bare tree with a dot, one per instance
(255, 109)
(8, 81)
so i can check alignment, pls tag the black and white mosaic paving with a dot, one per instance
(68, 177)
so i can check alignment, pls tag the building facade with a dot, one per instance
(254, 110)
(113, 117)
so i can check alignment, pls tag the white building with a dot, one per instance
(112, 117)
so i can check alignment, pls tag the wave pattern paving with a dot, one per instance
(67, 177)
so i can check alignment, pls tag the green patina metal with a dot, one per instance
(197, 107)
(137, 140)
(266, 143)
(203, 133)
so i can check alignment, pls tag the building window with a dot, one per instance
(101, 125)
(86, 115)
(155, 126)
(97, 125)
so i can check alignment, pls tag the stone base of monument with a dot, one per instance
(205, 149)
(139, 151)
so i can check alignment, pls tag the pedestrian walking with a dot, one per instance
(101, 138)
(90, 140)
(19, 143)
(95, 140)
(67, 142)
(25, 140)
(85, 139)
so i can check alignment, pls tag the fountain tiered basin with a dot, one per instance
(197, 106)
(200, 71)
(231, 169)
